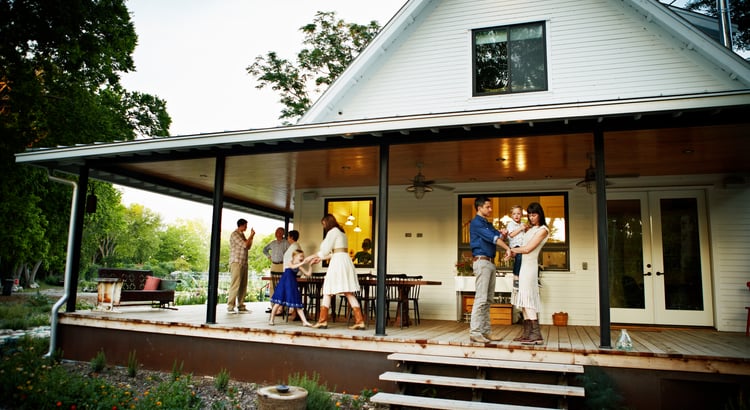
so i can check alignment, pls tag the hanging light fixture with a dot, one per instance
(589, 179)
(419, 190)
(357, 228)
(349, 218)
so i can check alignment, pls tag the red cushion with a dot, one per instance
(152, 283)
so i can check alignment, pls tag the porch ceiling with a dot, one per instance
(264, 177)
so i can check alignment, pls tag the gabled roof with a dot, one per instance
(652, 12)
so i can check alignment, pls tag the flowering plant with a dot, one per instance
(463, 267)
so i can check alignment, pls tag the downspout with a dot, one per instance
(68, 263)
(725, 23)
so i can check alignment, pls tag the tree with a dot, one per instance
(103, 228)
(140, 242)
(739, 11)
(59, 85)
(333, 45)
(185, 244)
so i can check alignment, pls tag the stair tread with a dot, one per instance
(483, 383)
(447, 404)
(470, 361)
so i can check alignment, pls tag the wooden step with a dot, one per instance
(447, 404)
(490, 363)
(483, 384)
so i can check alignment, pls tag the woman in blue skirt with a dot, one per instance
(287, 292)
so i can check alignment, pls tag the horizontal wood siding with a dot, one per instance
(730, 236)
(596, 50)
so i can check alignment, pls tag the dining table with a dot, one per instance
(311, 288)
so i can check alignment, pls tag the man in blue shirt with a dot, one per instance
(484, 239)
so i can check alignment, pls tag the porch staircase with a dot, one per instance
(445, 382)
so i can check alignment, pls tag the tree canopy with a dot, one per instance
(739, 11)
(60, 66)
(331, 45)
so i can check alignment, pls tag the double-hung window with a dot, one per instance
(509, 59)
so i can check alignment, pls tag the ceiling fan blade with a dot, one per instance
(633, 175)
(428, 182)
(443, 187)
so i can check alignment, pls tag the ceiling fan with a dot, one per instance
(589, 179)
(420, 185)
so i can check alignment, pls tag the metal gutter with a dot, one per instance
(374, 127)
(68, 264)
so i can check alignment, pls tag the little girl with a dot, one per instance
(287, 292)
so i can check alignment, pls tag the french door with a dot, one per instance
(659, 267)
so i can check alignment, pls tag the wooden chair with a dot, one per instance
(393, 295)
(414, 298)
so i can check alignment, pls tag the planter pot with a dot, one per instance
(560, 319)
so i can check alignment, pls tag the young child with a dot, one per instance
(287, 293)
(516, 230)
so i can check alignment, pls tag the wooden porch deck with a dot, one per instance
(670, 349)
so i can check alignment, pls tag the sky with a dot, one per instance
(194, 54)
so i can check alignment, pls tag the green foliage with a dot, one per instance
(601, 392)
(332, 45)
(28, 380)
(177, 370)
(186, 245)
(132, 364)
(177, 393)
(739, 11)
(99, 362)
(222, 380)
(318, 395)
(60, 64)
(35, 311)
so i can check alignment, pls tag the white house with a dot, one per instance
(514, 99)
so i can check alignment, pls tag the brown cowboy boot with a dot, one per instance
(535, 336)
(526, 331)
(359, 320)
(322, 319)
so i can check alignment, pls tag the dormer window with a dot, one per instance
(509, 59)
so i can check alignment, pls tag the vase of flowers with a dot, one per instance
(463, 268)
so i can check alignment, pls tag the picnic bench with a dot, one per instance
(142, 286)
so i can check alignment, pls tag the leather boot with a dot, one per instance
(526, 331)
(323, 319)
(535, 336)
(359, 320)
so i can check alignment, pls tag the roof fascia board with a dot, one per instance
(735, 66)
(376, 126)
(401, 21)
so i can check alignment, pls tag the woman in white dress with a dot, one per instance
(528, 289)
(341, 276)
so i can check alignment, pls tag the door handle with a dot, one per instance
(647, 274)
(659, 273)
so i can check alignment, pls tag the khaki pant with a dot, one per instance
(237, 287)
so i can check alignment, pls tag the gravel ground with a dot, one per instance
(243, 394)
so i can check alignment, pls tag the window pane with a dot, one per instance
(527, 59)
(491, 61)
(555, 254)
(510, 59)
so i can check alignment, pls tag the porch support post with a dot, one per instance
(77, 237)
(213, 260)
(382, 240)
(603, 246)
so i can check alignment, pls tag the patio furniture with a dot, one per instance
(134, 287)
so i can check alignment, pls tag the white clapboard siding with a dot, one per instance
(730, 235)
(597, 50)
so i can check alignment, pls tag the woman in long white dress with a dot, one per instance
(528, 289)
(341, 276)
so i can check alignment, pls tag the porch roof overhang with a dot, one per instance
(264, 167)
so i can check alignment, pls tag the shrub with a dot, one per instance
(132, 364)
(222, 380)
(318, 396)
(99, 362)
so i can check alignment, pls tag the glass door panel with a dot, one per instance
(658, 258)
